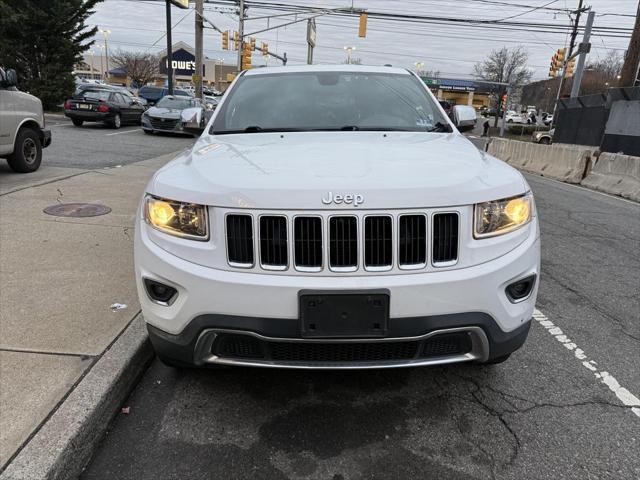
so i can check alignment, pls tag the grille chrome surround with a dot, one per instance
(239, 238)
(168, 124)
(305, 245)
(378, 243)
(308, 250)
(412, 241)
(273, 239)
(343, 243)
(445, 239)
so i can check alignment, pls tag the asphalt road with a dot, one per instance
(554, 411)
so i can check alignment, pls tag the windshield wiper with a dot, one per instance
(440, 127)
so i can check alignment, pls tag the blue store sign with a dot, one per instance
(184, 63)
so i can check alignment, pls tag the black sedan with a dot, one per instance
(102, 105)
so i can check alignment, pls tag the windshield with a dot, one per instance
(175, 103)
(97, 95)
(309, 101)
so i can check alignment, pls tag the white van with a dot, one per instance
(464, 117)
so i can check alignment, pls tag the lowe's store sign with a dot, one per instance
(183, 63)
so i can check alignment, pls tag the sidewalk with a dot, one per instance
(58, 279)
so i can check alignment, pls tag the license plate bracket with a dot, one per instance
(344, 313)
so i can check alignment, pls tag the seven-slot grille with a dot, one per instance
(378, 241)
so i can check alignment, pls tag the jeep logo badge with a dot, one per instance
(350, 198)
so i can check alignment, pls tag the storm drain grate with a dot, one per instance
(77, 210)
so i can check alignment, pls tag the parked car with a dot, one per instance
(464, 117)
(211, 102)
(153, 94)
(320, 222)
(547, 120)
(514, 117)
(531, 109)
(164, 116)
(103, 105)
(544, 137)
(22, 130)
(491, 112)
(114, 88)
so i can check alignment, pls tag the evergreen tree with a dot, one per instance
(43, 40)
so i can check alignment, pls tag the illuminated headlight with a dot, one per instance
(502, 216)
(186, 220)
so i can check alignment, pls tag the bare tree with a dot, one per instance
(601, 74)
(503, 66)
(140, 67)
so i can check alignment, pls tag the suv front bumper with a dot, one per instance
(259, 312)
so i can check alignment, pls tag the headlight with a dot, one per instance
(502, 216)
(186, 220)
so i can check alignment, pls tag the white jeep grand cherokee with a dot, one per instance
(332, 217)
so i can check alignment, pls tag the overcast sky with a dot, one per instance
(452, 50)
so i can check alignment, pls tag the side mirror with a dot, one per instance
(10, 78)
(193, 120)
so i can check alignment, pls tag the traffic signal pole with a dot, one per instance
(199, 46)
(169, 51)
(577, 77)
(240, 35)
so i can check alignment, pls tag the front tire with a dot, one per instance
(27, 154)
(544, 141)
(148, 132)
(77, 123)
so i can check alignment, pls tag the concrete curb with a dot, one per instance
(66, 442)
(615, 174)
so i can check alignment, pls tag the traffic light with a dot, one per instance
(252, 42)
(265, 48)
(571, 66)
(503, 102)
(236, 41)
(225, 40)
(558, 59)
(552, 70)
(362, 28)
(246, 56)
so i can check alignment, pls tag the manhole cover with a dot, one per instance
(77, 210)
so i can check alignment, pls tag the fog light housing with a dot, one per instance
(159, 292)
(521, 289)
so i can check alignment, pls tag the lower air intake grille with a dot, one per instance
(445, 238)
(307, 233)
(447, 344)
(273, 242)
(343, 352)
(343, 242)
(378, 250)
(238, 346)
(412, 251)
(240, 240)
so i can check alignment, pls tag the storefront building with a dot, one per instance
(460, 92)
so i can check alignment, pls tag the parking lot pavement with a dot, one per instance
(95, 145)
(565, 406)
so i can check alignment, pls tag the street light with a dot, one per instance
(105, 32)
(349, 50)
(100, 48)
(418, 66)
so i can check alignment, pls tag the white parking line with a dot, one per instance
(624, 395)
(120, 133)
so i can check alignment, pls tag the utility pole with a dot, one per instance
(197, 77)
(572, 43)
(629, 73)
(240, 35)
(169, 50)
(577, 77)
(311, 39)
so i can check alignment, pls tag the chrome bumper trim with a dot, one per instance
(479, 351)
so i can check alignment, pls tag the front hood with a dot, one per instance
(297, 170)
(164, 112)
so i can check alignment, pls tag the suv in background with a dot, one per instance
(153, 94)
(22, 132)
